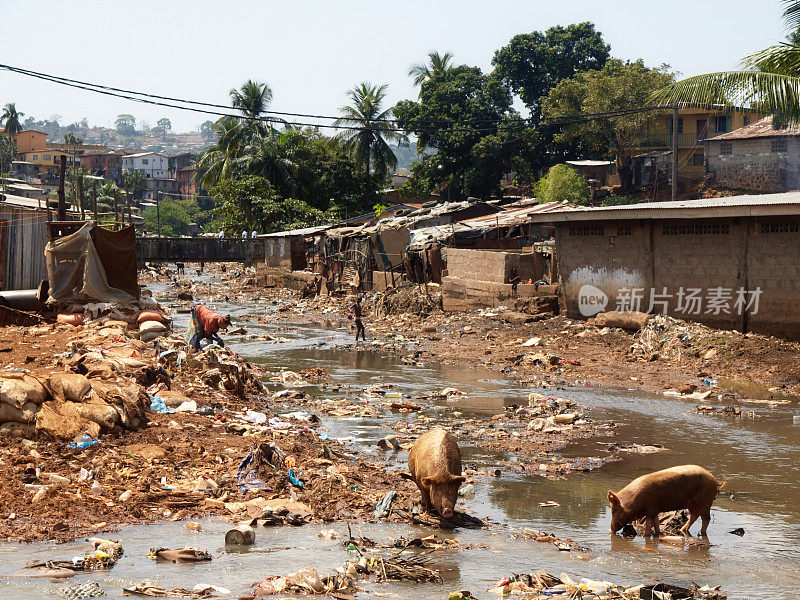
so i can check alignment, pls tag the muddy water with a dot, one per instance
(757, 457)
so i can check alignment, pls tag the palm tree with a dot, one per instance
(12, 119)
(366, 141)
(769, 81)
(437, 63)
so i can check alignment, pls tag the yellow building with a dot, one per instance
(30, 140)
(694, 126)
(48, 160)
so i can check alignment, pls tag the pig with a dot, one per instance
(435, 465)
(686, 487)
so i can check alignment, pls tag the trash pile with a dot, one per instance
(102, 555)
(543, 583)
(674, 339)
(409, 299)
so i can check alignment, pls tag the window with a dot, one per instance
(696, 229)
(698, 159)
(779, 145)
(785, 227)
(624, 230)
(46, 157)
(35, 157)
(726, 148)
(721, 124)
(145, 161)
(587, 230)
(745, 120)
(680, 125)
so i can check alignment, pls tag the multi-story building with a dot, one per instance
(152, 164)
(152, 187)
(695, 125)
(30, 140)
(48, 161)
(105, 163)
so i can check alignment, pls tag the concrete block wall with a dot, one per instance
(753, 166)
(488, 265)
(747, 253)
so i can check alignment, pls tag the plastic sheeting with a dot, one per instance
(75, 271)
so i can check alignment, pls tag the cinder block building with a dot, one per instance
(732, 263)
(756, 158)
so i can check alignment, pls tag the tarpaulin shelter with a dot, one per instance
(93, 264)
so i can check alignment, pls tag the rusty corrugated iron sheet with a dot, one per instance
(759, 129)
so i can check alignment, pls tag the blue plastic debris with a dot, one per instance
(159, 406)
(84, 442)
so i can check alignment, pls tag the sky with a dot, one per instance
(311, 52)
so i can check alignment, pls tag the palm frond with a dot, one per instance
(766, 92)
(782, 59)
(791, 13)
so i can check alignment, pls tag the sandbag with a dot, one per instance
(172, 398)
(25, 413)
(17, 430)
(98, 411)
(149, 336)
(69, 387)
(147, 326)
(150, 315)
(18, 388)
(75, 319)
(130, 401)
(62, 420)
(632, 320)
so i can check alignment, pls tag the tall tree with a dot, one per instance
(72, 139)
(206, 131)
(163, 126)
(531, 64)
(769, 80)
(467, 118)
(437, 63)
(126, 124)
(11, 118)
(617, 86)
(367, 140)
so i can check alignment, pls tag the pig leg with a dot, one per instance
(427, 505)
(706, 519)
(693, 514)
(656, 526)
(649, 524)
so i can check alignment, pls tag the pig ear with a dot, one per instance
(612, 498)
(459, 479)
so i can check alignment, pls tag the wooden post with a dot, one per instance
(94, 200)
(675, 153)
(62, 206)
(127, 203)
(80, 196)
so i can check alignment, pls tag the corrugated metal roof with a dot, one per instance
(589, 163)
(514, 216)
(786, 203)
(762, 128)
(297, 232)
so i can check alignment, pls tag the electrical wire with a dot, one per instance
(158, 100)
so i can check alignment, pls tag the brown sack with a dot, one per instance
(632, 320)
(100, 412)
(18, 414)
(69, 387)
(62, 420)
(17, 388)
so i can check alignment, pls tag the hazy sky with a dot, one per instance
(311, 51)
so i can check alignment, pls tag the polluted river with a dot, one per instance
(758, 458)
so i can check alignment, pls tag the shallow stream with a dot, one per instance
(759, 458)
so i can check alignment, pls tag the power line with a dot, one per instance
(157, 101)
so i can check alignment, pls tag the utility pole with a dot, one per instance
(674, 153)
(62, 205)
(94, 200)
(127, 204)
(158, 211)
(80, 196)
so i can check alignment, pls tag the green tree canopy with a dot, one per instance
(126, 124)
(163, 127)
(437, 63)
(467, 118)
(563, 183)
(531, 64)
(175, 218)
(617, 86)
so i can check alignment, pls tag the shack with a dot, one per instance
(732, 263)
(288, 249)
(23, 236)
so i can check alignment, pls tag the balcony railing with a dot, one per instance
(664, 140)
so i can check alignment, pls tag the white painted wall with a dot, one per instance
(152, 164)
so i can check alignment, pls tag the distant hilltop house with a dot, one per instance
(150, 164)
(652, 151)
(32, 148)
(106, 163)
(756, 158)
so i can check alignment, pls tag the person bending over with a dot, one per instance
(205, 324)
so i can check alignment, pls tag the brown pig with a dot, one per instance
(688, 486)
(435, 465)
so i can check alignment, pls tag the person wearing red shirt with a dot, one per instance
(205, 325)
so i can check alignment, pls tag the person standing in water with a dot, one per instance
(204, 325)
(356, 308)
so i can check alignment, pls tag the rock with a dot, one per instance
(565, 418)
(631, 320)
(687, 389)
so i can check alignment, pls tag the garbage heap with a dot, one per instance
(120, 362)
